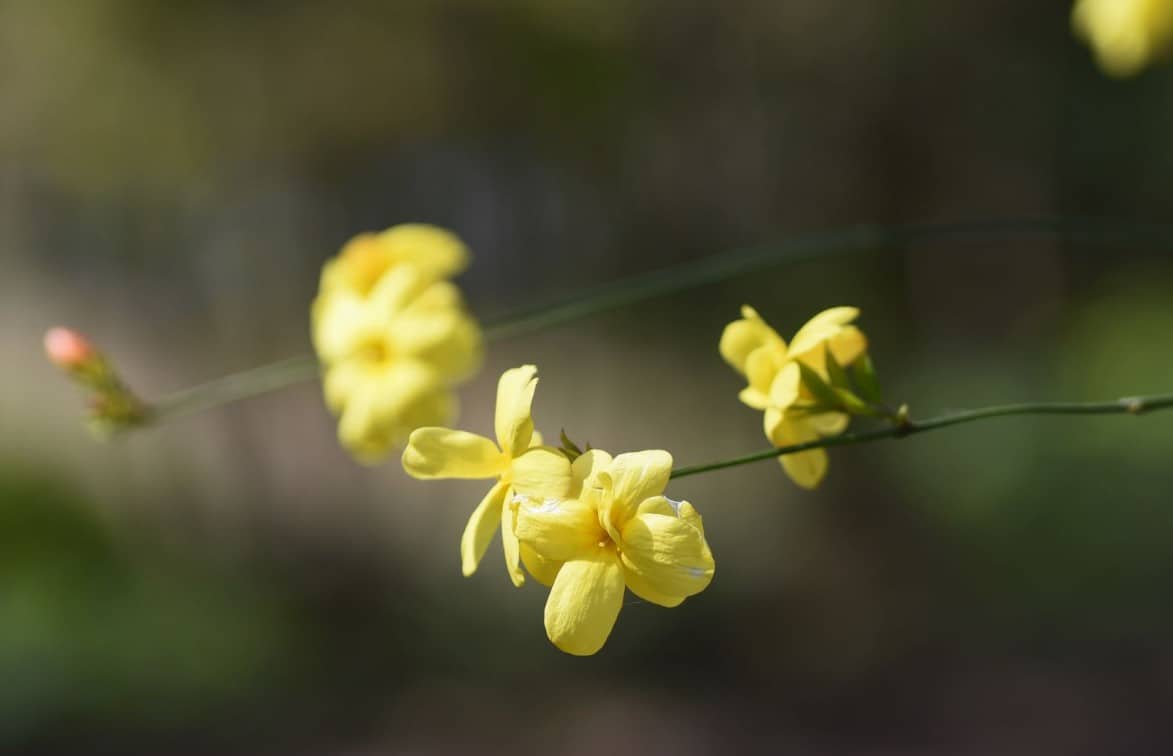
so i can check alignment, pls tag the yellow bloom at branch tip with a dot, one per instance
(393, 338)
(1125, 35)
(772, 369)
(619, 533)
(521, 466)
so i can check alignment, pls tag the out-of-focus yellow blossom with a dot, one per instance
(1126, 35)
(521, 466)
(393, 338)
(620, 533)
(772, 369)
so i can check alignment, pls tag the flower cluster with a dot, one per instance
(1126, 35)
(587, 525)
(393, 335)
(803, 389)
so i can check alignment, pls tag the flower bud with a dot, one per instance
(68, 349)
(112, 406)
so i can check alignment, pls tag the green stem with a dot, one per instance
(1133, 405)
(708, 270)
(813, 246)
(235, 387)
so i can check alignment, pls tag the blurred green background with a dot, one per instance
(173, 174)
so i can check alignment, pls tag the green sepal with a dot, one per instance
(569, 448)
(835, 372)
(824, 395)
(866, 379)
(852, 404)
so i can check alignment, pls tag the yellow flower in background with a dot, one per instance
(521, 466)
(434, 252)
(393, 339)
(1126, 35)
(619, 534)
(772, 369)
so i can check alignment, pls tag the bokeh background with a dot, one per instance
(172, 175)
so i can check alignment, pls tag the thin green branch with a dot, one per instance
(1133, 405)
(708, 270)
(813, 246)
(235, 387)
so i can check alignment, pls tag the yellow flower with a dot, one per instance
(391, 355)
(755, 350)
(619, 533)
(436, 253)
(520, 465)
(1126, 35)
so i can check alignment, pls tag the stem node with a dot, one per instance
(1134, 405)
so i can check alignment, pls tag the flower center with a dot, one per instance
(376, 350)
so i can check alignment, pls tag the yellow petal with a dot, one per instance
(662, 505)
(515, 395)
(829, 423)
(631, 478)
(371, 444)
(437, 252)
(481, 525)
(343, 324)
(820, 328)
(436, 409)
(558, 530)
(848, 345)
(584, 603)
(686, 512)
(636, 476)
(448, 340)
(444, 453)
(379, 412)
(1125, 34)
(786, 387)
(741, 337)
(755, 398)
(543, 570)
(357, 267)
(440, 295)
(806, 468)
(542, 473)
(342, 380)
(668, 554)
(510, 544)
(645, 589)
(762, 366)
(395, 290)
(771, 419)
(586, 468)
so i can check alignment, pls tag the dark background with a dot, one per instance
(172, 176)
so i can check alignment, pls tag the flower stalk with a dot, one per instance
(903, 426)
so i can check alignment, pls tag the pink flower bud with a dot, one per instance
(67, 348)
